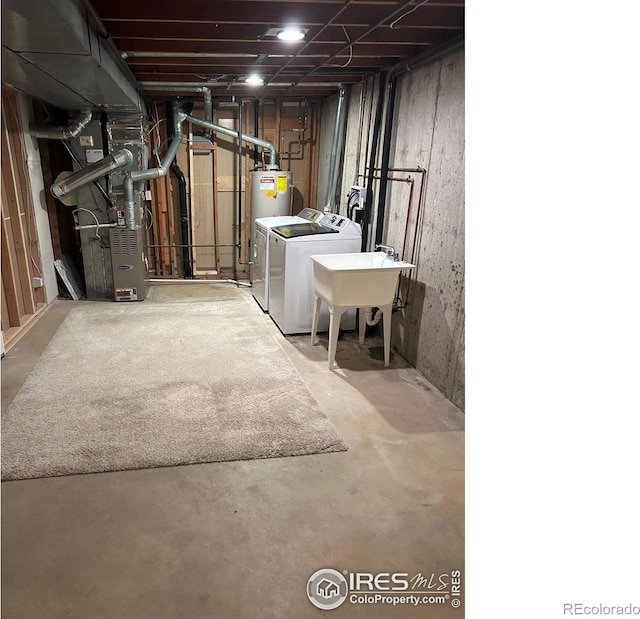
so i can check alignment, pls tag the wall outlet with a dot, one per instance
(147, 195)
(37, 282)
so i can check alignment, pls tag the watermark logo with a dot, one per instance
(327, 589)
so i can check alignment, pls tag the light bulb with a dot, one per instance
(291, 34)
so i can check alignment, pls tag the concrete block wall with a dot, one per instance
(424, 209)
(429, 118)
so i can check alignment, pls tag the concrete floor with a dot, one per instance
(240, 539)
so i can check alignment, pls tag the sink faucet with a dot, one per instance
(389, 250)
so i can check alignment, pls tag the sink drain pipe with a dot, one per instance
(371, 318)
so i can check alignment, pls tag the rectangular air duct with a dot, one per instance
(52, 50)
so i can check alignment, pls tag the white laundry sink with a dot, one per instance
(357, 280)
(363, 280)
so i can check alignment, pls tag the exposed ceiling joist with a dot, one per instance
(345, 40)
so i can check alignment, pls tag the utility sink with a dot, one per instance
(357, 280)
(362, 280)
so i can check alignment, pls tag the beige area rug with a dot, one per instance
(151, 384)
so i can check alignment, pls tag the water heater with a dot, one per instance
(270, 195)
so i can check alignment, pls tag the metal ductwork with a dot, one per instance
(206, 92)
(54, 51)
(83, 177)
(47, 132)
(143, 175)
(208, 111)
(239, 136)
(336, 145)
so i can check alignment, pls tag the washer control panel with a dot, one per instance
(310, 214)
(337, 222)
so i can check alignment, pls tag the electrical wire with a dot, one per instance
(148, 132)
(417, 6)
(155, 126)
(150, 213)
(92, 214)
(351, 204)
(36, 266)
(350, 49)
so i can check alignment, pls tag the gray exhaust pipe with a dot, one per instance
(236, 134)
(205, 90)
(62, 133)
(143, 175)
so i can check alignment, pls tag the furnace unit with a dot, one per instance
(129, 264)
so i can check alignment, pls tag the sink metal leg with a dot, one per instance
(335, 314)
(362, 323)
(316, 317)
(386, 325)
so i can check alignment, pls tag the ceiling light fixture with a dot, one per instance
(254, 80)
(291, 34)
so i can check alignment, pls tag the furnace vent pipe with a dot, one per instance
(236, 134)
(336, 143)
(83, 177)
(178, 87)
(46, 132)
(208, 111)
(143, 175)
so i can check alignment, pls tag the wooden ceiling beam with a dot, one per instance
(257, 47)
(226, 32)
(180, 64)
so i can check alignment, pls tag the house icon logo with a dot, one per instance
(327, 589)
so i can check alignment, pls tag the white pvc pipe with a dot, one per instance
(372, 321)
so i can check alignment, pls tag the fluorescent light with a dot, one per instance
(254, 80)
(291, 34)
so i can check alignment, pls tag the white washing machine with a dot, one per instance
(260, 266)
(291, 292)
